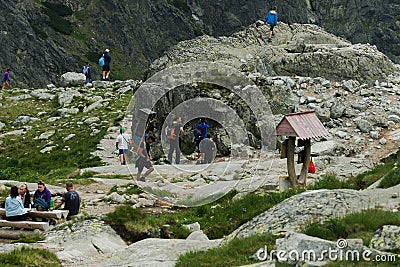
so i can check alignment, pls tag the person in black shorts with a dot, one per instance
(145, 159)
(106, 67)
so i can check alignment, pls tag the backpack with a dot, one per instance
(85, 70)
(171, 132)
(311, 167)
(101, 61)
(197, 134)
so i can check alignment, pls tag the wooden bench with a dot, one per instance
(54, 214)
(44, 226)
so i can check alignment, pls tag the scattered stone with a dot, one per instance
(192, 227)
(387, 238)
(22, 120)
(198, 235)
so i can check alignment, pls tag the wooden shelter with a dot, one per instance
(305, 126)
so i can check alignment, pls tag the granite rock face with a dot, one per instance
(41, 42)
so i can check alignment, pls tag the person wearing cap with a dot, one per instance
(106, 67)
(122, 144)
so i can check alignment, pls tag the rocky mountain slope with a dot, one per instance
(361, 114)
(43, 39)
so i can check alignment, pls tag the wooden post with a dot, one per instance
(306, 163)
(290, 161)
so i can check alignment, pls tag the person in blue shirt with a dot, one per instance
(106, 67)
(87, 71)
(272, 20)
(14, 208)
(200, 133)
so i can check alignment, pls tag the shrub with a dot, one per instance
(56, 13)
(357, 225)
(392, 178)
(29, 257)
(236, 253)
(328, 181)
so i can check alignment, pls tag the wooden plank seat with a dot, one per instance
(44, 226)
(55, 214)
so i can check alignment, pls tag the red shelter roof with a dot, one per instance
(304, 125)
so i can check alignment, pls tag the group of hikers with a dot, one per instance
(206, 148)
(19, 201)
(104, 62)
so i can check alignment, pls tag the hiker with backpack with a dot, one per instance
(42, 197)
(272, 20)
(174, 132)
(104, 62)
(87, 71)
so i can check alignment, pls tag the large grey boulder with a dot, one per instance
(301, 248)
(330, 147)
(73, 79)
(81, 243)
(42, 94)
(65, 98)
(156, 252)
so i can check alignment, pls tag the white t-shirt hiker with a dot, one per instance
(122, 144)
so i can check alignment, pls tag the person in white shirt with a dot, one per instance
(124, 140)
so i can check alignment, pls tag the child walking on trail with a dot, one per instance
(272, 20)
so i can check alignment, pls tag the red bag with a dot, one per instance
(311, 167)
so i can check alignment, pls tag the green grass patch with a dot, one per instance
(391, 178)
(134, 224)
(31, 257)
(357, 225)
(216, 219)
(236, 253)
(30, 237)
(20, 153)
(128, 189)
(180, 4)
(329, 181)
(57, 22)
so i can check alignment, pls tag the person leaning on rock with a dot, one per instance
(71, 200)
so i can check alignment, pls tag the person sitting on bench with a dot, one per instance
(71, 200)
(14, 208)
